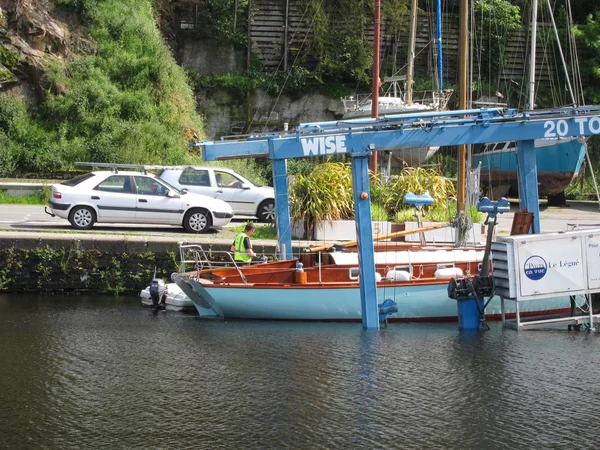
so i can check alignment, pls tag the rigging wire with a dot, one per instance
(579, 87)
(296, 31)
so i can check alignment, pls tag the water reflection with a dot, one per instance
(98, 372)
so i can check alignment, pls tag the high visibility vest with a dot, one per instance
(239, 246)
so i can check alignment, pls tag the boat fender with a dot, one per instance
(377, 277)
(301, 276)
(448, 273)
(398, 275)
(386, 308)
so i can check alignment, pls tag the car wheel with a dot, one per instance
(82, 217)
(266, 211)
(197, 221)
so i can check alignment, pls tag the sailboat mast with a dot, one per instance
(438, 38)
(375, 81)
(463, 63)
(410, 72)
(532, 55)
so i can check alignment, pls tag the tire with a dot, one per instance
(266, 211)
(82, 217)
(197, 221)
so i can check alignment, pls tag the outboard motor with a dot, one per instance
(385, 309)
(158, 294)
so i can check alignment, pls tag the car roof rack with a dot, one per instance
(115, 166)
(142, 167)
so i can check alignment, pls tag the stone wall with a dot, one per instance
(47, 263)
(208, 58)
(226, 115)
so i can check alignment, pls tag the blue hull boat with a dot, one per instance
(417, 281)
(558, 162)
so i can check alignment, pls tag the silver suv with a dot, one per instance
(244, 197)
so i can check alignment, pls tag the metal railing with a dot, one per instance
(194, 254)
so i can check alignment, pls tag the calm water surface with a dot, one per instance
(98, 372)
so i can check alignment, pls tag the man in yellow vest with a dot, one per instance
(242, 247)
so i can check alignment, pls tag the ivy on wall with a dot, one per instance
(46, 269)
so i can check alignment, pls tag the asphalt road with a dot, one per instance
(33, 218)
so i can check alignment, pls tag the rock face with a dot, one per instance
(31, 34)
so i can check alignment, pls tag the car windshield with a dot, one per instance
(170, 186)
(79, 179)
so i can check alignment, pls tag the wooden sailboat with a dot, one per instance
(324, 286)
(558, 159)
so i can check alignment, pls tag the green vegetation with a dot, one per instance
(293, 82)
(262, 232)
(52, 269)
(125, 101)
(497, 20)
(589, 41)
(326, 194)
(222, 20)
(40, 198)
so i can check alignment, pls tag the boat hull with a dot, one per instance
(427, 302)
(176, 299)
(558, 162)
(414, 156)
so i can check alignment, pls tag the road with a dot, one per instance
(33, 218)
(576, 213)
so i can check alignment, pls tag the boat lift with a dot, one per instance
(359, 138)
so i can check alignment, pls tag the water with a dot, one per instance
(98, 372)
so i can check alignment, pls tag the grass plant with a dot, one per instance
(123, 101)
(35, 199)
(266, 232)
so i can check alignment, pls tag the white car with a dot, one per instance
(134, 197)
(245, 198)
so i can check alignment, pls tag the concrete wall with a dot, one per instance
(227, 115)
(208, 58)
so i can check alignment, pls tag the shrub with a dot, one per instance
(323, 195)
(7, 163)
(128, 102)
(378, 213)
(445, 212)
(418, 180)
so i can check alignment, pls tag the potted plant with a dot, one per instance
(322, 204)
(419, 180)
(405, 219)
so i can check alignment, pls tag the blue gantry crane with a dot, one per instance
(360, 137)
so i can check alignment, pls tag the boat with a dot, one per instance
(396, 100)
(393, 101)
(412, 283)
(558, 162)
(558, 159)
(176, 299)
(324, 286)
